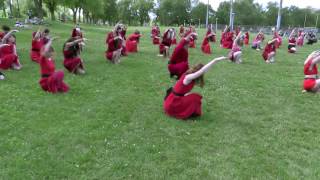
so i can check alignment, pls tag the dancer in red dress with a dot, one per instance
(133, 41)
(210, 37)
(227, 39)
(179, 102)
(192, 43)
(311, 81)
(76, 32)
(114, 42)
(256, 44)
(276, 35)
(155, 35)
(269, 51)
(36, 46)
(71, 51)
(246, 38)
(164, 47)
(301, 36)
(178, 63)
(236, 53)
(5, 30)
(292, 42)
(8, 52)
(51, 80)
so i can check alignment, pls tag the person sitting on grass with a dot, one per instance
(51, 80)
(155, 35)
(256, 44)
(227, 38)
(179, 102)
(179, 63)
(292, 42)
(132, 42)
(72, 60)
(311, 81)
(311, 38)
(235, 53)
(269, 51)
(8, 52)
(246, 38)
(164, 47)
(36, 46)
(114, 43)
(210, 37)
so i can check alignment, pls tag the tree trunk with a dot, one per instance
(53, 17)
(10, 6)
(79, 16)
(75, 10)
(4, 11)
(18, 6)
(38, 4)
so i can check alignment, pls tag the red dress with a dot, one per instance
(192, 43)
(292, 43)
(51, 81)
(7, 57)
(309, 83)
(279, 38)
(155, 33)
(132, 43)
(246, 38)
(113, 45)
(71, 61)
(205, 47)
(267, 50)
(178, 63)
(181, 106)
(35, 50)
(227, 40)
(166, 42)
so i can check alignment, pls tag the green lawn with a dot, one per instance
(256, 123)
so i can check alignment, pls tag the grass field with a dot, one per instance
(256, 123)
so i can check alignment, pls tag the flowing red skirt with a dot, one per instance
(7, 61)
(109, 55)
(54, 83)
(132, 46)
(227, 44)
(192, 44)
(206, 49)
(308, 84)
(72, 64)
(246, 41)
(178, 69)
(35, 56)
(183, 107)
(156, 41)
(174, 41)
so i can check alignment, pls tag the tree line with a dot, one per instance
(164, 12)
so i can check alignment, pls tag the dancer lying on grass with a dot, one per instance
(179, 102)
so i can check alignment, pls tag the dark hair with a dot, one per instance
(199, 80)
(47, 31)
(73, 49)
(6, 28)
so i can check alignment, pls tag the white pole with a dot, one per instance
(317, 21)
(207, 18)
(279, 16)
(231, 14)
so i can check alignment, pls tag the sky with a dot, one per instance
(286, 3)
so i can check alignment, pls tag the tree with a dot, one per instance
(143, 8)
(38, 5)
(52, 6)
(3, 6)
(200, 12)
(174, 11)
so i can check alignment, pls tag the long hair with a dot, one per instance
(199, 80)
(74, 49)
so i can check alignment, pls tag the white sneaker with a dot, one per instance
(2, 77)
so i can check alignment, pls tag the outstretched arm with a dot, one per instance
(69, 44)
(190, 77)
(292, 33)
(315, 61)
(4, 39)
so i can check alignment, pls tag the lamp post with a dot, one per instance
(207, 18)
(231, 15)
(279, 16)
